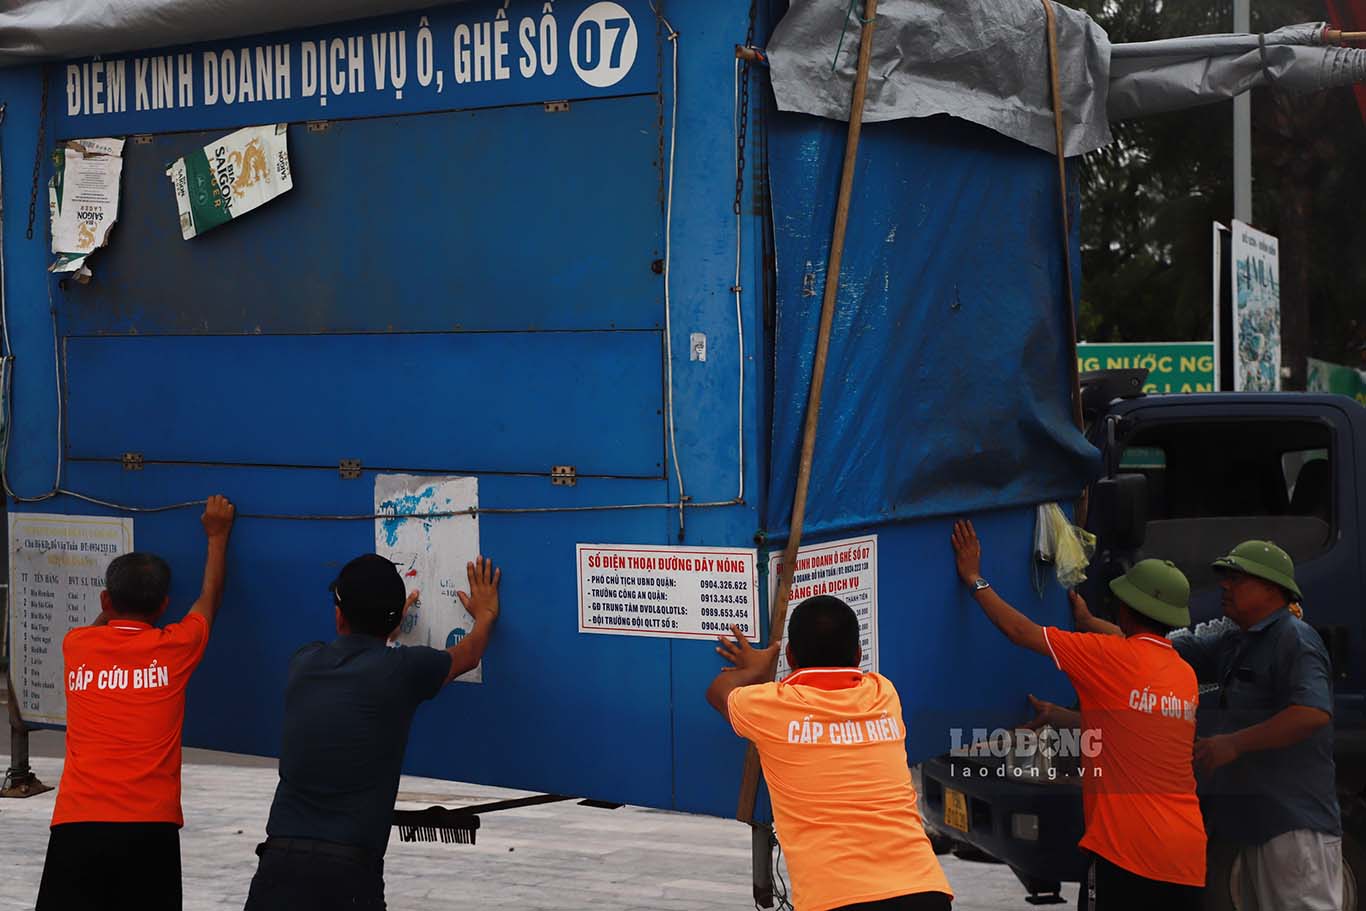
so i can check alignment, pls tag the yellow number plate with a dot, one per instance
(955, 809)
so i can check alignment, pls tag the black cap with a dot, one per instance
(370, 593)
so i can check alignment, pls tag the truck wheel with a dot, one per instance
(1222, 892)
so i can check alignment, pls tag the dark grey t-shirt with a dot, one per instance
(348, 707)
(1278, 663)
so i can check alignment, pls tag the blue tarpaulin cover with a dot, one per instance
(947, 385)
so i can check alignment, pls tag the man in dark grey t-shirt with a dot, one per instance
(348, 706)
(1265, 739)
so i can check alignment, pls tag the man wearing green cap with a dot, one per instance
(1143, 822)
(1266, 747)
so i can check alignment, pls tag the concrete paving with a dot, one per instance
(558, 857)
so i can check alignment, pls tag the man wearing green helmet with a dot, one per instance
(1143, 822)
(1266, 748)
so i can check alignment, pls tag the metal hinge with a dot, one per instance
(563, 475)
(132, 461)
(142, 139)
(319, 126)
(349, 469)
(557, 107)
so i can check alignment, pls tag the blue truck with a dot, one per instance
(589, 281)
(1186, 478)
(570, 255)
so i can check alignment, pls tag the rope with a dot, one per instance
(848, 14)
(672, 38)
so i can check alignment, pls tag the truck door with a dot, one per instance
(1272, 469)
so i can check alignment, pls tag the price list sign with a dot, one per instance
(847, 570)
(56, 566)
(678, 592)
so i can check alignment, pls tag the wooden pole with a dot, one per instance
(1338, 36)
(749, 784)
(1074, 371)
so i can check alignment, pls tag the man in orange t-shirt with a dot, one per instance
(115, 839)
(833, 747)
(1138, 701)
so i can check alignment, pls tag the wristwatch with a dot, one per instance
(979, 584)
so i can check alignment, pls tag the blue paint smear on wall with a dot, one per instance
(408, 504)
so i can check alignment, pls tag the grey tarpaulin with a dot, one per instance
(1154, 76)
(985, 61)
(32, 30)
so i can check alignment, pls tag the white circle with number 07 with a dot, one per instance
(603, 45)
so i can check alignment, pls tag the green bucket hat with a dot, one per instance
(1156, 589)
(1264, 560)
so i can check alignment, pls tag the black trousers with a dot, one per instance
(1116, 889)
(93, 866)
(302, 875)
(918, 901)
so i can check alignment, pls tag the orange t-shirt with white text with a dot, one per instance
(1138, 790)
(125, 707)
(833, 747)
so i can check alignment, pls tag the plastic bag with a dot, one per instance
(1067, 547)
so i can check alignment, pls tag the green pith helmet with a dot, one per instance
(1264, 560)
(1156, 589)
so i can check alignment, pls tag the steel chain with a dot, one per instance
(38, 159)
(742, 134)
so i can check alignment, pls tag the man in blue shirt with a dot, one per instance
(348, 706)
(1265, 746)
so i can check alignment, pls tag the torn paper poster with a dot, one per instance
(83, 200)
(431, 549)
(228, 178)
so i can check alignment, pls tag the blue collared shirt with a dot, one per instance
(1259, 672)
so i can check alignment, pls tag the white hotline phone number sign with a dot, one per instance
(679, 592)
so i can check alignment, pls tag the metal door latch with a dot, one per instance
(563, 475)
(132, 461)
(349, 469)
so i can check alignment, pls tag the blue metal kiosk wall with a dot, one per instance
(468, 281)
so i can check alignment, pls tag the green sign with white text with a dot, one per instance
(1171, 366)
(1326, 377)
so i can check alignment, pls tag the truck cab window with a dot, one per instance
(1212, 484)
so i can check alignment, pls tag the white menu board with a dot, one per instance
(56, 566)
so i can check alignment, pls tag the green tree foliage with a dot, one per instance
(1149, 199)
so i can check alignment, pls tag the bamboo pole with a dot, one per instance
(1074, 371)
(749, 784)
(1338, 36)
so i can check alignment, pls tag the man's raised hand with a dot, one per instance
(967, 551)
(482, 599)
(750, 662)
(218, 516)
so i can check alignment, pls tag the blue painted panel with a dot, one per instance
(558, 710)
(504, 219)
(556, 222)
(473, 55)
(452, 402)
(553, 222)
